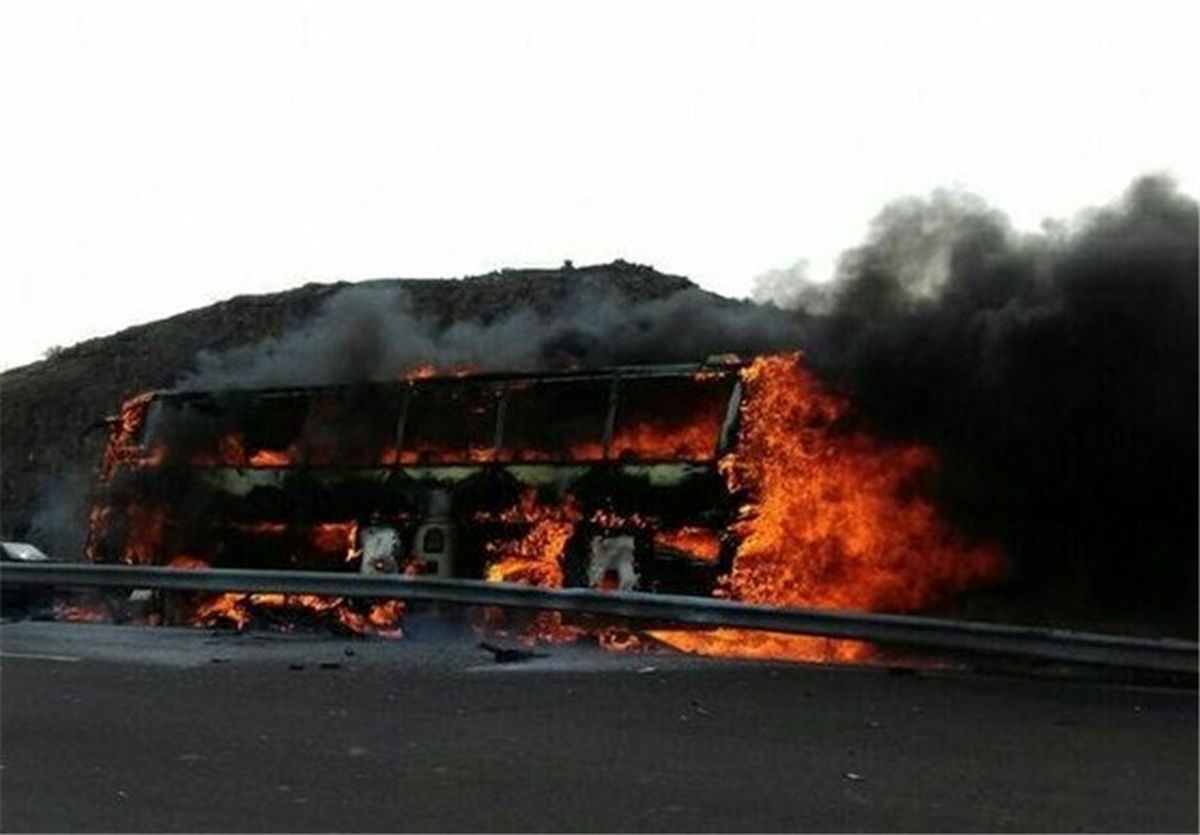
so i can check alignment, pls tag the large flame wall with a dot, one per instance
(833, 520)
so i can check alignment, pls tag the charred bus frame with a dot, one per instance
(424, 474)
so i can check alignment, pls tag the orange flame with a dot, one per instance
(745, 643)
(228, 607)
(239, 610)
(231, 452)
(695, 441)
(382, 618)
(429, 454)
(580, 451)
(700, 543)
(335, 538)
(828, 524)
(267, 458)
(82, 612)
(535, 558)
(186, 563)
(123, 446)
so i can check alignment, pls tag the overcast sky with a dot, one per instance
(159, 156)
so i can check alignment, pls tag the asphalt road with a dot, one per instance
(134, 729)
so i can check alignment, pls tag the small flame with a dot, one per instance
(336, 538)
(535, 558)
(745, 643)
(580, 451)
(82, 612)
(124, 446)
(649, 440)
(186, 563)
(700, 543)
(267, 458)
(382, 619)
(261, 528)
(618, 639)
(240, 610)
(430, 454)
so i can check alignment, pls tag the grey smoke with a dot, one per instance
(59, 525)
(373, 333)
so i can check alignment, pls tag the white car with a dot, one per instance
(21, 552)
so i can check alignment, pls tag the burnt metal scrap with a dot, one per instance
(511, 655)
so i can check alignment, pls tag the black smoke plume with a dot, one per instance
(1056, 373)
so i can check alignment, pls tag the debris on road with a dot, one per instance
(504, 655)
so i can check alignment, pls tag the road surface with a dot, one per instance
(136, 729)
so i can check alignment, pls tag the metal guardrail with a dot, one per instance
(1164, 655)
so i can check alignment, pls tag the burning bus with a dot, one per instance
(443, 475)
(742, 479)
